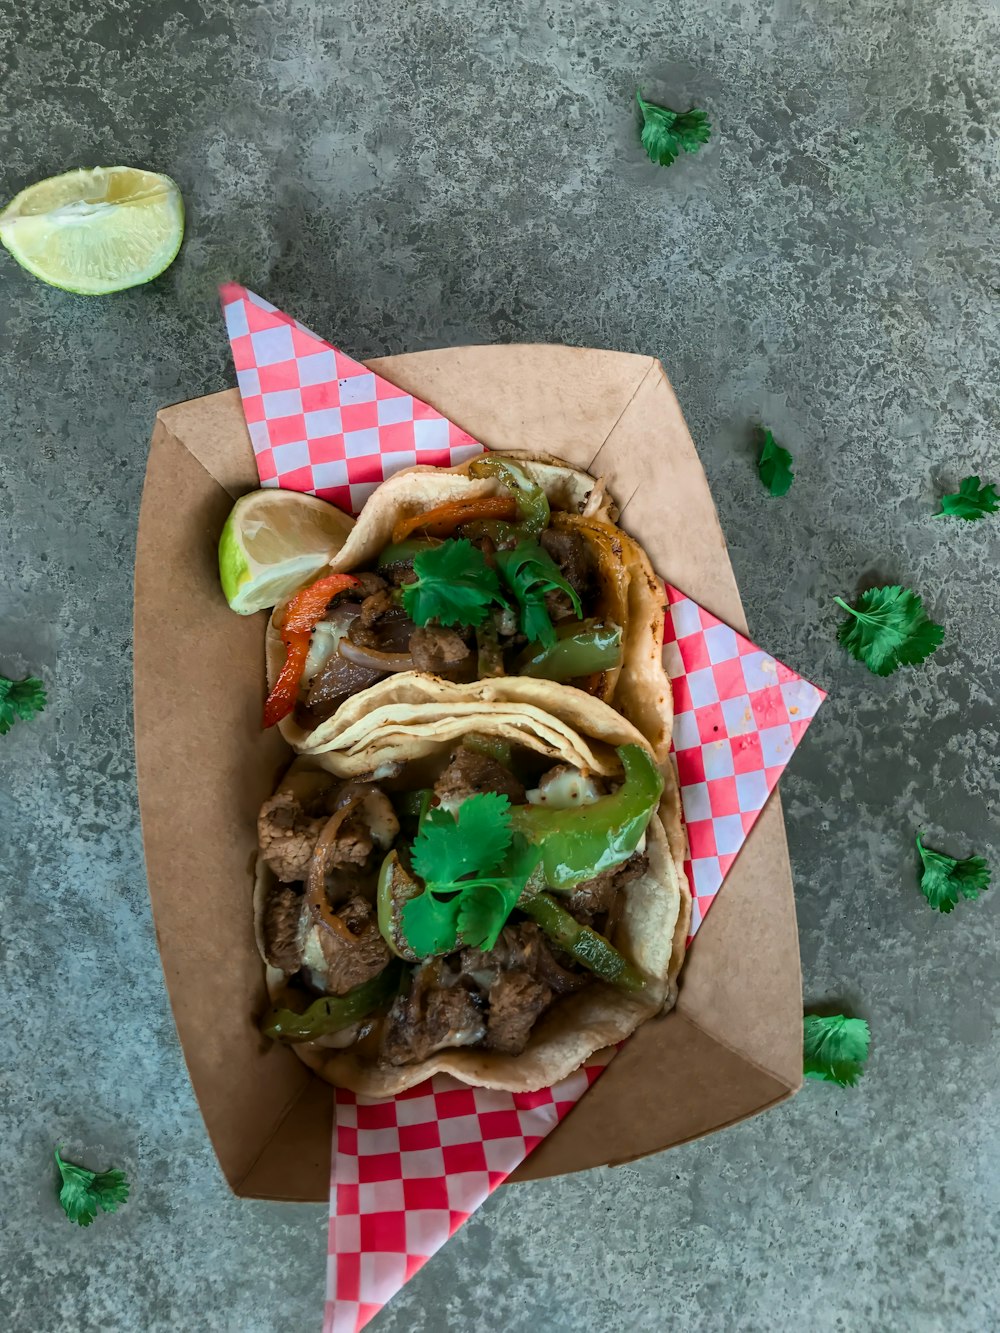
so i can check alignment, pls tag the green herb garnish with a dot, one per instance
(666, 134)
(83, 1191)
(454, 585)
(944, 877)
(530, 572)
(474, 869)
(971, 501)
(774, 465)
(835, 1049)
(20, 700)
(888, 629)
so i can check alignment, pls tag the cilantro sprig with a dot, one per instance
(774, 464)
(474, 869)
(454, 585)
(530, 572)
(666, 134)
(971, 501)
(20, 700)
(887, 629)
(83, 1192)
(944, 877)
(835, 1048)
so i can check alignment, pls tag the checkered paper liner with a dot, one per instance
(320, 421)
(409, 1170)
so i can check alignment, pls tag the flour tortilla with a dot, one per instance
(642, 689)
(652, 932)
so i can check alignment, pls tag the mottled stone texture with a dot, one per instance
(403, 176)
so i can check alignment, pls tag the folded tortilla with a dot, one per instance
(640, 688)
(575, 729)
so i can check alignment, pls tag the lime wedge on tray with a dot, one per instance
(274, 543)
(96, 230)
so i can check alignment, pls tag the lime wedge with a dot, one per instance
(96, 230)
(274, 543)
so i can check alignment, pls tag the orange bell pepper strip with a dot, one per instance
(443, 519)
(302, 613)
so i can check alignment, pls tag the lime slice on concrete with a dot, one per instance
(96, 230)
(274, 543)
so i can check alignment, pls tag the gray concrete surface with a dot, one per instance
(405, 176)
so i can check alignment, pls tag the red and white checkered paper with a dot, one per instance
(408, 1170)
(320, 421)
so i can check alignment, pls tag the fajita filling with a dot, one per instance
(473, 588)
(452, 901)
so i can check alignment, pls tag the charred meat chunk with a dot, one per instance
(287, 836)
(336, 680)
(438, 1013)
(573, 555)
(435, 649)
(370, 586)
(349, 962)
(516, 1001)
(521, 948)
(279, 928)
(470, 773)
(598, 896)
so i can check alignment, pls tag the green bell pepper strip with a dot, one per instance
(332, 1013)
(532, 502)
(402, 553)
(578, 844)
(395, 889)
(581, 648)
(585, 945)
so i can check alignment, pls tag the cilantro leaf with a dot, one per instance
(20, 700)
(666, 134)
(474, 870)
(889, 629)
(446, 848)
(835, 1048)
(774, 465)
(944, 877)
(530, 572)
(971, 501)
(487, 906)
(83, 1192)
(430, 923)
(454, 585)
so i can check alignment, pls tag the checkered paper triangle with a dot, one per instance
(738, 716)
(409, 1170)
(320, 421)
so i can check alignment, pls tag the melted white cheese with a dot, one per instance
(564, 788)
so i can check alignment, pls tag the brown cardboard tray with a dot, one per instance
(733, 1045)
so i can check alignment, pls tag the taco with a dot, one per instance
(496, 903)
(508, 565)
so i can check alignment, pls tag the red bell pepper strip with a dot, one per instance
(302, 613)
(443, 519)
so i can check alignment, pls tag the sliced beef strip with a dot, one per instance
(573, 555)
(351, 962)
(439, 1012)
(470, 773)
(596, 897)
(280, 928)
(336, 680)
(436, 649)
(516, 1001)
(287, 836)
